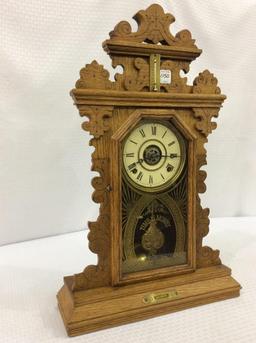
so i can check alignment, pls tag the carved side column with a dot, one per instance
(99, 235)
(205, 83)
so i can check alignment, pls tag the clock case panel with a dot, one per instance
(178, 199)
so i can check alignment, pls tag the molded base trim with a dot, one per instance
(105, 307)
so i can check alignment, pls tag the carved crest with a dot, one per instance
(153, 27)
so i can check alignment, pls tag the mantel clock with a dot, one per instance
(149, 128)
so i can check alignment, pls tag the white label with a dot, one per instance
(165, 76)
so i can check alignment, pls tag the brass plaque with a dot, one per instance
(155, 298)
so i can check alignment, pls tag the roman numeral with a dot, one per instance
(170, 144)
(142, 133)
(164, 134)
(169, 167)
(140, 175)
(132, 166)
(130, 154)
(133, 142)
(153, 129)
(150, 180)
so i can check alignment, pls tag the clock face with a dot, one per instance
(153, 156)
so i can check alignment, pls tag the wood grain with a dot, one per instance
(88, 311)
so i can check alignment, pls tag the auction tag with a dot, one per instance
(165, 76)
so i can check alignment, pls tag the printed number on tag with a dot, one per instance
(165, 76)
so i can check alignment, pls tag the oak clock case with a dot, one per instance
(149, 128)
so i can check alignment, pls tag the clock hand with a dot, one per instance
(156, 154)
(171, 155)
(140, 160)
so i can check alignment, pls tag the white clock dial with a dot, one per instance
(153, 156)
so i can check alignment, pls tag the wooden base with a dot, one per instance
(95, 309)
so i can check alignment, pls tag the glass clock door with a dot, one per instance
(154, 197)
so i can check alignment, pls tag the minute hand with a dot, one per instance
(171, 155)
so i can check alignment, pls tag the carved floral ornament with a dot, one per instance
(94, 76)
(99, 232)
(153, 32)
(206, 83)
(98, 122)
(205, 125)
(153, 27)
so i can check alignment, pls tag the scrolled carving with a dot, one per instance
(206, 256)
(153, 27)
(141, 80)
(203, 221)
(201, 176)
(184, 38)
(204, 115)
(100, 183)
(94, 76)
(99, 117)
(178, 84)
(206, 83)
(99, 234)
(122, 29)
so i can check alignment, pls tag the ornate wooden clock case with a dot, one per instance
(149, 128)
